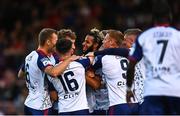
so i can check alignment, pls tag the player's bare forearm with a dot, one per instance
(130, 74)
(93, 80)
(53, 96)
(54, 71)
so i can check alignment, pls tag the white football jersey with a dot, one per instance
(160, 48)
(36, 80)
(71, 87)
(114, 70)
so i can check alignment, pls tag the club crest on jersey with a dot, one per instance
(45, 61)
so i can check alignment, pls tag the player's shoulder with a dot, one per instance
(110, 58)
(31, 54)
(81, 60)
(151, 31)
(175, 31)
(147, 32)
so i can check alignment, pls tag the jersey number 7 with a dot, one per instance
(164, 43)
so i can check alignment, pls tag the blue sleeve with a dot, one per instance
(56, 57)
(43, 62)
(97, 62)
(85, 61)
(113, 51)
(136, 53)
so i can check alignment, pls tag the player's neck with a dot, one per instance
(64, 56)
(44, 50)
(162, 24)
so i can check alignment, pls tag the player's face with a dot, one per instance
(128, 41)
(107, 41)
(88, 43)
(73, 43)
(52, 42)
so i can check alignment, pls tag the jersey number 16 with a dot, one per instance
(67, 83)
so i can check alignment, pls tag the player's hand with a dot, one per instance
(90, 54)
(90, 73)
(129, 96)
(74, 57)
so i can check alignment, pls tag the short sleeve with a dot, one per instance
(43, 62)
(85, 61)
(136, 51)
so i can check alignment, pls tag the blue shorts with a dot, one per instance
(31, 111)
(79, 112)
(55, 108)
(160, 105)
(54, 112)
(99, 112)
(124, 109)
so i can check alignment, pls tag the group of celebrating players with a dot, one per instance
(119, 73)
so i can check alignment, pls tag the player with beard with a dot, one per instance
(96, 88)
(92, 41)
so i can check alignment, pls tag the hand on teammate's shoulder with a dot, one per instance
(74, 57)
(90, 54)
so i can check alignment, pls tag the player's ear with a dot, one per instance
(111, 42)
(48, 42)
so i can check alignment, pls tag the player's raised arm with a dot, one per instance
(113, 51)
(59, 69)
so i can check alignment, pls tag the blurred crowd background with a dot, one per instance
(22, 20)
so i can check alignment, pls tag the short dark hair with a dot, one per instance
(66, 32)
(63, 45)
(133, 31)
(45, 34)
(161, 11)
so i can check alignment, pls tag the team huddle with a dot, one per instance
(119, 73)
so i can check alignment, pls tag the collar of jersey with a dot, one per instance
(43, 53)
(162, 25)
